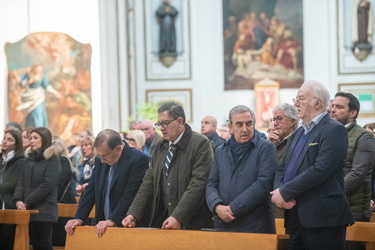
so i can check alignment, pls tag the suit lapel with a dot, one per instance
(314, 133)
(121, 164)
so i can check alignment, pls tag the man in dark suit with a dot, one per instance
(117, 175)
(309, 183)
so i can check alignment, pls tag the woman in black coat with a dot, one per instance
(12, 162)
(37, 187)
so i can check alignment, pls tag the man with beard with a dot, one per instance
(361, 152)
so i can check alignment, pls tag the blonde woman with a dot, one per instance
(86, 163)
(136, 139)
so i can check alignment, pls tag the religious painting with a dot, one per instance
(266, 98)
(49, 83)
(263, 39)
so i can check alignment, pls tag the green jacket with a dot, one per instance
(186, 183)
(361, 153)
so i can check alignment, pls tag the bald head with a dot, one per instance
(208, 125)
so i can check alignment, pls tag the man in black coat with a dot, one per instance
(117, 175)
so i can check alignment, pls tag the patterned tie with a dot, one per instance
(169, 159)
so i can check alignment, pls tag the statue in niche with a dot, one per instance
(362, 29)
(166, 14)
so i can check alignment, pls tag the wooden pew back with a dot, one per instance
(21, 218)
(69, 210)
(84, 237)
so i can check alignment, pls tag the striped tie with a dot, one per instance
(169, 159)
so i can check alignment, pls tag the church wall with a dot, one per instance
(119, 62)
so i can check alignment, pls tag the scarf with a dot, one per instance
(237, 149)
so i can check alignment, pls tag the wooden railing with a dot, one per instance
(21, 218)
(85, 237)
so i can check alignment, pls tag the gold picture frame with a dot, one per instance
(365, 92)
(181, 96)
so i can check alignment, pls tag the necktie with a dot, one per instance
(108, 188)
(169, 159)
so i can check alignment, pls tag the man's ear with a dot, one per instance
(352, 113)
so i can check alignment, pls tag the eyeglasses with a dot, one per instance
(106, 155)
(277, 118)
(130, 139)
(299, 99)
(164, 124)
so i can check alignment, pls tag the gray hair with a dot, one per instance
(241, 109)
(318, 91)
(289, 111)
(174, 110)
(148, 122)
(109, 136)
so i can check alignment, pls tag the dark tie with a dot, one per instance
(107, 210)
(169, 159)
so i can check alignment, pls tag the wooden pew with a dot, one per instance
(69, 210)
(21, 218)
(85, 237)
(360, 231)
(372, 219)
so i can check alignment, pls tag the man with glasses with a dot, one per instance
(310, 181)
(115, 180)
(174, 185)
(285, 121)
(241, 178)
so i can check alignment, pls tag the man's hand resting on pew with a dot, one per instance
(71, 224)
(170, 223)
(100, 227)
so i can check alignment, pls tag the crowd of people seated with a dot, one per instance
(313, 157)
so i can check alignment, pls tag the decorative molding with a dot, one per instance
(181, 68)
(346, 61)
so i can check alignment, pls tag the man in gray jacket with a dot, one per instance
(241, 178)
(174, 185)
(361, 152)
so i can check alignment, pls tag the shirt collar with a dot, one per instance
(8, 156)
(313, 123)
(177, 140)
(347, 125)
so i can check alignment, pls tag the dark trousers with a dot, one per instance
(41, 235)
(332, 238)
(7, 236)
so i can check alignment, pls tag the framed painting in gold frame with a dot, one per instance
(365, 92)
(181, 96)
